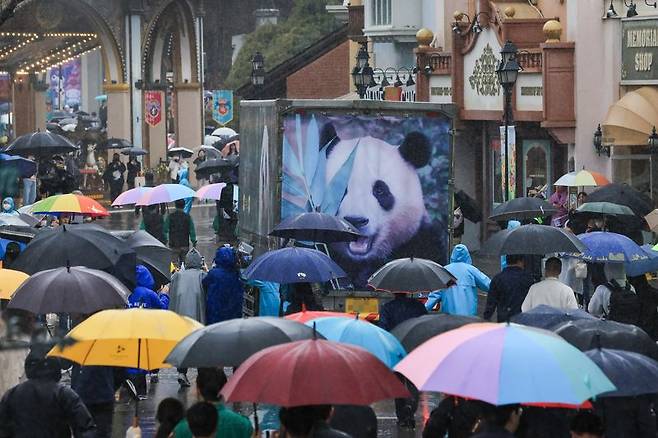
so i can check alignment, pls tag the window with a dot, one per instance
(381, 12)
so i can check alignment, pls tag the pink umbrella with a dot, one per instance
(166, 193)
(131, 196)
(211, 191)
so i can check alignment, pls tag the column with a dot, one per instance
(118, 110)
(40, 110)
(134, 63)
(23, 106)
(200, 54)
(189, 117)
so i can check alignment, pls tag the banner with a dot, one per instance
(222, 106)
(511, 149)
(153, 104)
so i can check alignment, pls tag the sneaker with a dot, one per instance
(154, 378)
(183, 381)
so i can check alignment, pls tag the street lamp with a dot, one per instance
(258, 70)
(362, 73)
(598, 142)
(653, 142)
(508, 72)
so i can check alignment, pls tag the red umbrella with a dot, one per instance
(308, 315)
(313, 372)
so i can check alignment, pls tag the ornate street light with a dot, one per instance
(362, 73)
(653, 142)
(508, 51)
(258, 70)
(598, 142)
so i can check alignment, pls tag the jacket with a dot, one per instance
(153, 223)
(627, 416)
(186, 294)
(507, 292)
(229, 425)
(12, 210)
(223, 288)
(179, 229)
(269, 297)
(183, 179)
(94, 384)
(462, 298)
(398, 310)
(143, 294)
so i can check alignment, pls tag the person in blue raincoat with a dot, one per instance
(510, 226)
(269, 297)
(143, 295)
(224, 291)
(9, 207)
(183, 179)
(462, 298)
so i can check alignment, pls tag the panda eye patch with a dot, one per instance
(383, 194)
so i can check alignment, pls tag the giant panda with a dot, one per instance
(384, 201)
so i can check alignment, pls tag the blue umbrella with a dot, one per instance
(640, 267)
(25, 167)
(632, 373)
(293, 265)
(604, 246)
(363, 334)
(547, 317)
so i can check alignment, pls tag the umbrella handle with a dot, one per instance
(135, 420)
(256, 432)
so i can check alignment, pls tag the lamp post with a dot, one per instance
(258, 71)
(653, 142)
(598, 142)
(508, 71)
(362, 73)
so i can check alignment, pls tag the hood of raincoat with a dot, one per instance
(460, 254)
(183, 175)
(225, 258)
(144, 277)
(9, 200)
(513, 224)
(193, 260)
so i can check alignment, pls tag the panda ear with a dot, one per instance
(416, 149)
(328, 137)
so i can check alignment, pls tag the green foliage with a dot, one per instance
(308, 22)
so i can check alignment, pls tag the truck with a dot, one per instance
(385, 167)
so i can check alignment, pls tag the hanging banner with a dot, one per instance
(508, 166)
(153, 104)
(222, 106)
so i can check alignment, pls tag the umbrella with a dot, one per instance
(10, 280)
(183, 152)
(316, 227)
(362, 334)
(70, 290)
(605, 208)
(413, 332)
(224, 132)
(29, 219)
(230, 343)
(69, 203)
(584, 178)
(211, 152)
(152, 253)
(469, 206)
(533, 239)
(504, 364)
(313, 372)
(115, 143)
(410, 275)
(633, 374)
(223, 141)
(58, 115)
(131, 196)
(25, 167)
(522, 208)
(210, 167)
(308, 315)
(604, 246)
(101, 97)
(210, 140)
(12, 220)
(211, 191)
(640, 267)
(68, 121)
(133, 151)
(547, 317)
(293, 265)
(652, 220)
(623, 194)
(586, 334)
(166, 193)
(40, 143)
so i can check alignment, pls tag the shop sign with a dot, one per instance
(639, 51)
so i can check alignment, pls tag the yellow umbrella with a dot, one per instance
(135, 338)
(9, 282)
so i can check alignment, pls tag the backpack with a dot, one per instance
(625, 305)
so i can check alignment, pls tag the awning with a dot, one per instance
(629, 121)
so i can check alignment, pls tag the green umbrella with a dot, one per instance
(605, 208)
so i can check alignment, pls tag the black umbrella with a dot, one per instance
(623, 194)
(316, 227)
(547, 317)
(229, 343)
(70, 290)
(533, 239)
(183, 152)
(152, 253)
(115, 143)
(413, 332)
(217, 165)
(133, 151)
(40, 143)
(58, 115)
(411, 275)
(469, 206)
(586, 334)
(522, 208)
(632, 373)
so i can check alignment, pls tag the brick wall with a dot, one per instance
(325, 78)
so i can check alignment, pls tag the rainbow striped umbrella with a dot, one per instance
(584, 178)
(166, 193)
(503, 364)
(131, 196)
(211, 191)
(69, 203)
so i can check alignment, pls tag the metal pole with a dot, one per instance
(507, 92)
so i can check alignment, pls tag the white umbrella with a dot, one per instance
(210, 140)
(224, 132)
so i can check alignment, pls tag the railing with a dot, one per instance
(530, 61)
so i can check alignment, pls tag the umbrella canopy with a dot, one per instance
(309, 315)
(135, 338)
(224, 132)
(411, 275)
(69, 203)
(70, 290)
(211, 191)
(652, 220)
(583, 178)
(605, 208)
(165, 193)
(316, 227)
(604, 246)
(26, 168)
(29, 219)
(12, 220)
(470, 207)
(210, 140)
(211, 152)
(623, 194)
(183, 152)
(115, 143)
(504, 364)
(230, 343)
(640, 267)
(522, 208)
(40, 143)
(131, 196)
(217, 165)
(133, 151)
(331, 373)
(10, 280)
(547, 317)
(415, 331)
(633, 374)
(293, 265)
(362, 334)
(586, 334)
(152, 253)
(533, 239)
